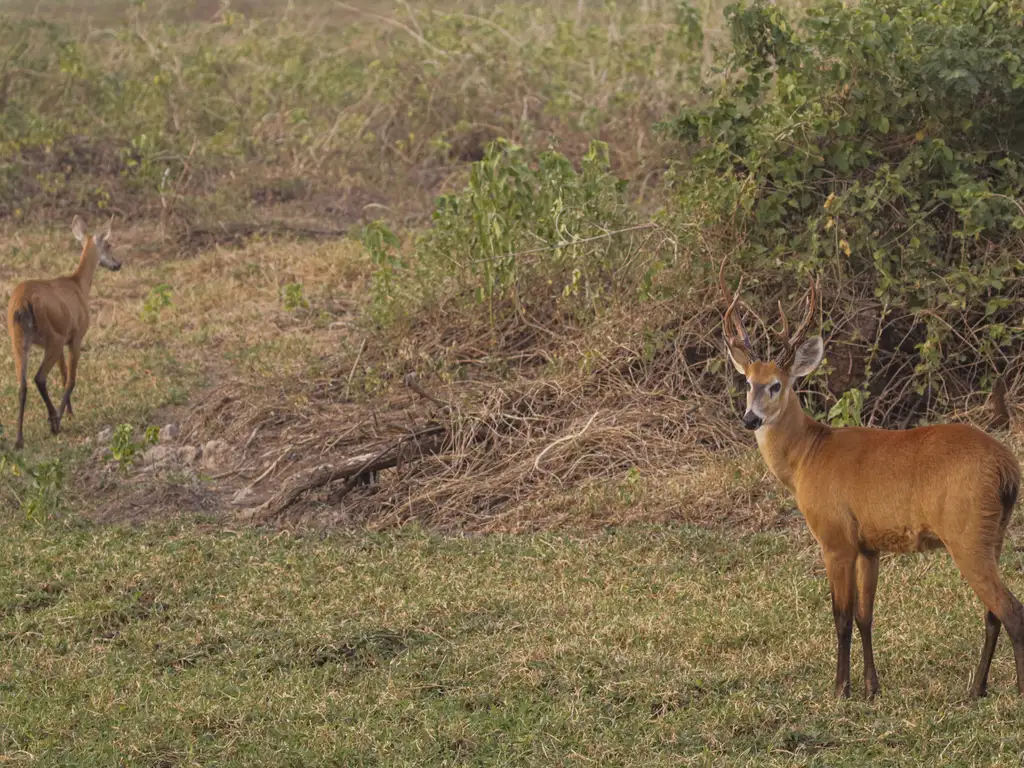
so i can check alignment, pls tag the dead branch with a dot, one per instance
(415, 386)
(411, 447)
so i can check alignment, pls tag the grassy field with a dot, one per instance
(192, 645)
(247, 153)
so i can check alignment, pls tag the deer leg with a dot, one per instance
(1003, 608)
(21, 365)
(988, 649)
(64, 380)
(840, 567)
(867, 581)
(50, 356)
(74, 350)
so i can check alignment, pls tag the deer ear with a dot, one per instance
(110, 226)
(78, 228)
(808, 357)
(739, 358)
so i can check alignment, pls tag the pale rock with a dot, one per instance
(216, 455)
(169, 433)
(189, 454)
(243, 496)
(104, 435)
(158, 455)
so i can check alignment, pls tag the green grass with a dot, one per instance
(188, 645)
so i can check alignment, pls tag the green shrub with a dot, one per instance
(36, 489)
(880, 144)
(44, 492)
(293, 296)
(526, 231)
(158, 298)
(125, 450)
(382, 245)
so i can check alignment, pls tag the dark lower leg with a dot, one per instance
(1018, 658)
(70, 378)
(841, 569)
(992, 626)
(54, 419)
(844, 635)
(867, 581)
(65, 403)
(1013, 620)
(22, 396)
(982, 573)
(870, 675)
(69, 386)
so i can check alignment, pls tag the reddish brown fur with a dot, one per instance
(865, 491)
(53, 314)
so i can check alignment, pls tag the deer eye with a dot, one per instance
(775, 388)
(750, 385)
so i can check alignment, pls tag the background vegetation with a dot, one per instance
(524, 208)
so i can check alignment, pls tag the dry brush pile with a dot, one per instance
(532, 449)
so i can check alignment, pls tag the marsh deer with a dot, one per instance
(864, 491)
(53, 314)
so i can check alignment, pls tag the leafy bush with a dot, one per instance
(382, 245)
(879, 143)
(44, 492)
(520, 225)
(158, 298)
(36, 489)
(125, 450)
(293, 296)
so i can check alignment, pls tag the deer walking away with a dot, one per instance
(54, 314)
(864, 491)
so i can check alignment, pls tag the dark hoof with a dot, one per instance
(54, 426)
(871, 687)
(842, 691)
(979, 693)
(19, 444)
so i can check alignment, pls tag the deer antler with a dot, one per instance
(738, 334)
(790, 344)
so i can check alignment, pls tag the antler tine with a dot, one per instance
(721, 282)
(790, 343)
(812, 303)
(785, 323)
(740, 333)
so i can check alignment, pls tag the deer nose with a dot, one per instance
(751, 420)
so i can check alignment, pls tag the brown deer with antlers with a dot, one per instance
(864, 491)
(54, 314)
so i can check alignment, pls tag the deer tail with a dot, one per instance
(25, 316)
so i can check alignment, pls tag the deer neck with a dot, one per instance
(790, 441)
(86, 266)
